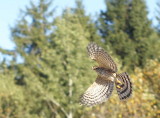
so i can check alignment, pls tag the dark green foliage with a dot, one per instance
(86, 21)
(125, 27)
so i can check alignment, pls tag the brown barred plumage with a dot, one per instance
(98, 92)
(102, 88)
(123, 86)
(101, 57)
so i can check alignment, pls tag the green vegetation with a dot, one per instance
(125, 27)
(56, 70)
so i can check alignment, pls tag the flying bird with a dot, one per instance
(103, 86)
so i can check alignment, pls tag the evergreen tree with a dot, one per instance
(86, 21)
(128, 31)
(32, 36)
(55, 61)
(140, 32)
(71, 44)
(73, 33)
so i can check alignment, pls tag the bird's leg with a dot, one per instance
(119, 84)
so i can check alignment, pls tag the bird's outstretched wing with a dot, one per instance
(101, 57)
(123, 86)
(98, 92)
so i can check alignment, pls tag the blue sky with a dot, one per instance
(9, 12)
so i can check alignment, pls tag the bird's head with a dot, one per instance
(95, 67)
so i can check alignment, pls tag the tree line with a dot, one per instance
(55, 69)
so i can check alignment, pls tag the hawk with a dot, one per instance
(103, 86)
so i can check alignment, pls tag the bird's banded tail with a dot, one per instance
(123, 86)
